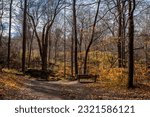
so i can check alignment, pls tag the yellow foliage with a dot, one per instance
(10, 80)
(104, 64)
(12, 71)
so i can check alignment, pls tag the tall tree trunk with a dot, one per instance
(75, 37)
(85, 59)
(45, 37)
(92, 38)
(65, 42)
(81, 38)
(123, 42)
(24, 37)
(80, 47)
(131, 44)
(43, 43)
(44, 55)
(72, 54)
(50, 43)
(119, 33)
(30, 38)
(9, 39)
(1, 24)
(1, 31)
(45, 50)
(146, 54)
(55, 50)
(30, 49)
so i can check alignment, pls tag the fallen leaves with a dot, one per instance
(13, 86)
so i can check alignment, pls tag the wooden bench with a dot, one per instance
(87, 76)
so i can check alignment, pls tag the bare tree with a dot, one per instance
(72, 54)
(24, 36)
(9, 39)
(65, 42)
(1, 23)
(132, 5)
(75, 37)
(92, 37)
(119, 9)
(47, 25)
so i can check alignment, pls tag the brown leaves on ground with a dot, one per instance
(11, 86)
(17, 86)
(102, 91)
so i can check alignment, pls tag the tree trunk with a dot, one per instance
(72, 54)
(9, 39)
(50, 43)
(119, 33)
(45, 50)
(24, 37)
(123, 42)
(92, 39)
(30, 50)
(55, 51)
(131, 43)
(1, 24)
(65, 42)
(85, 60)
(75, 37)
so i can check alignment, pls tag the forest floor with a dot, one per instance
(13, 86)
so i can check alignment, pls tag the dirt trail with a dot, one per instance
(65, 90)
(56, 90)
(61, 90)
(31, 88)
